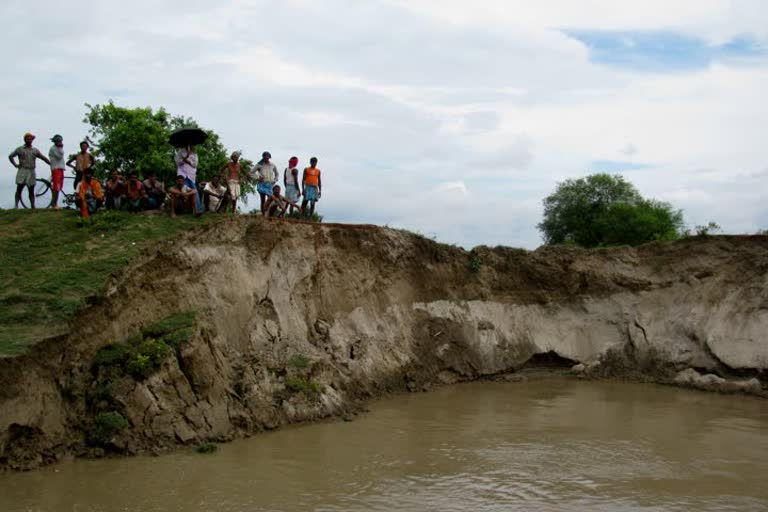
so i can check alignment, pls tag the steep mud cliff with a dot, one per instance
(294, 322)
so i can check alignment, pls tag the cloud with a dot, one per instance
(452, 119)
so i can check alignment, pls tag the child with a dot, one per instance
(313, 186)
(276, 204)
(291, 181)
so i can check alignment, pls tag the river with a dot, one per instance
(550, 445)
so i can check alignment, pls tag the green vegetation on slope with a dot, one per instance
(50, 263)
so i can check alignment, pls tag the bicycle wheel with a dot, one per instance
(42, 194)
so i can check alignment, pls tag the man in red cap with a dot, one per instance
(25, 176)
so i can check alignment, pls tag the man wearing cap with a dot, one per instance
(25, 176)
(265, 173)
(56, 155)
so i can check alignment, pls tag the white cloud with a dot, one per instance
(451, 118)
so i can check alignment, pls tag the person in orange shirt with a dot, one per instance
(89, 195)
(312, 185)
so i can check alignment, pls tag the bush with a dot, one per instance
(140, 366)
(315, 217)
(112, 354)
(156, 350)
(299, 384)
(105, 426)
(604, 209)
(475, 262)
(175, 322)
(299, 361)
(206, 448)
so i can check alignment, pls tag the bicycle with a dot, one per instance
(43, 189)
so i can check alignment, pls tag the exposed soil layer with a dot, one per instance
(296, 322)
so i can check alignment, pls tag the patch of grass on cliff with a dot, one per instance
(105, 426)
(50, 262)
(206, 448)
(299, 384)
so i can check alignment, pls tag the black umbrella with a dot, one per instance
(187, 137)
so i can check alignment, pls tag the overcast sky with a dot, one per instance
(448, 117)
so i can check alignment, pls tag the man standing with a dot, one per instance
(266, 177)
(83, 160)
(56, 156)
(25, 176)
(186, 165)
(313, 186)
(233, 178)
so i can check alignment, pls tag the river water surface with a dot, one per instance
(550, 445)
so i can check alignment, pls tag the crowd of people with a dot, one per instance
(185, 196)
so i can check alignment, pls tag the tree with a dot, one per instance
(136, 139)
(604, 209)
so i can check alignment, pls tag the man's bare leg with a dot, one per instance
(17, 197)
(31, 197)
(173, 205)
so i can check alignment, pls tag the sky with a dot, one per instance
(446, 117)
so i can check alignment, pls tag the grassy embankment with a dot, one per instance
(50, 262)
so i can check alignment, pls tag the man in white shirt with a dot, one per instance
(214, 193)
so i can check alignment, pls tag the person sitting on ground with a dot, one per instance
(313, 186)
(115, 190)
(291, 181)
(277, 204)
(89, 194)
(214, 194)
(56, 156)
(83, 160)
(183, 198)
(266, 176)
(155, 190)
(25, 176)
(135, 195)
(233, 176)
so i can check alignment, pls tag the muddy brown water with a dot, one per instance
(543, 445)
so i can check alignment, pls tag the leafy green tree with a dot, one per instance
(604, 209)
(136, 139)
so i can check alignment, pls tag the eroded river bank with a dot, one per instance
(555, 444)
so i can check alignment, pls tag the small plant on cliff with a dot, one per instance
(299, 361)
(206, 448)
(299, 384)
(112, 354)
(140, 366)
(712, 228)
(174, 323)
(105, 426)
(475, 262)
(148, 358)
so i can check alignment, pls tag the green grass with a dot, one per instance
(299, 361)
(50, 262)
(299, 384)
(206, 448)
